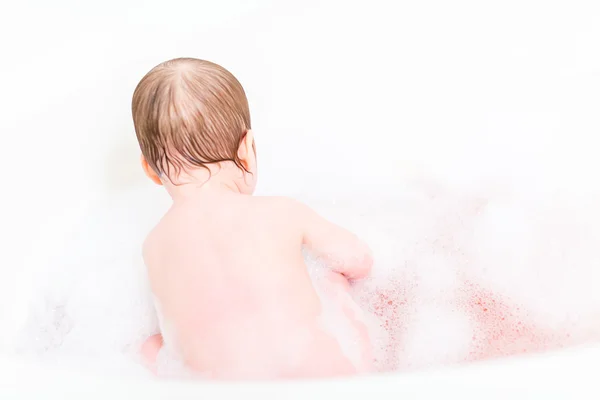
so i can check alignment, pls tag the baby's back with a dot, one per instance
(231, 282)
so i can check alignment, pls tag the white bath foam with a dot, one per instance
(92, 328)
(531, 253)
(92, 302)
(436, 277)
(133, 317)
(170, 365)
(438, 334)
(541, 251)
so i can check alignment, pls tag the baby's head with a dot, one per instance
(192, 120)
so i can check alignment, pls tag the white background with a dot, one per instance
(346, 98)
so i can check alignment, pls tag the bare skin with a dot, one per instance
(227, 270)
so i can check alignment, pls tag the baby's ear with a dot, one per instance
(149, 171)
(247, 150)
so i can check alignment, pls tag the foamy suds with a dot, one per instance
(461, 274)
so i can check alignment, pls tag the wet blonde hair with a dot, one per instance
(189, 113)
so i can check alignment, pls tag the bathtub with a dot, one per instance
(430, 98)
(559, 375)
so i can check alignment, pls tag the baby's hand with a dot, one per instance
(365, 261)
(354, 260)
(149, 351)
(337, 279)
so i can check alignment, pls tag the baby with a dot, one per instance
(232, 290)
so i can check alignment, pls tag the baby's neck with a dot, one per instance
(199, 184)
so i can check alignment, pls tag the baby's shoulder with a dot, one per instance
(158, 235)
(151, 244)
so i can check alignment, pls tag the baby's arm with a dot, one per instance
(339, 248)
